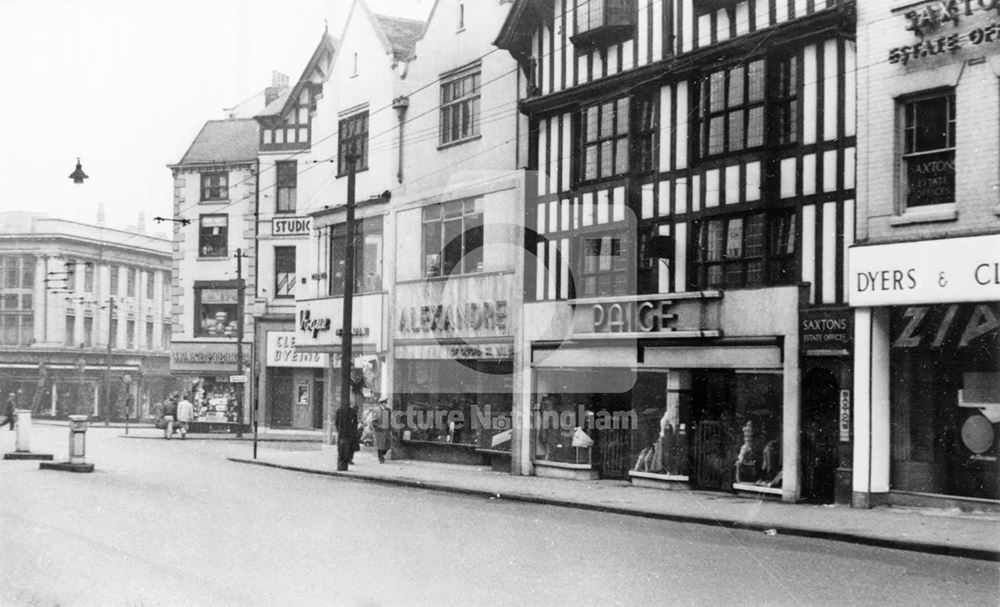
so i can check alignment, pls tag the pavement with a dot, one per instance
(937, 531)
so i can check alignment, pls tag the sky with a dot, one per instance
(125, 85)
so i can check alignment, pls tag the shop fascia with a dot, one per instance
(932, 17)
(679, 315)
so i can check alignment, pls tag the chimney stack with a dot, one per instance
(279, 82)
(100, 214)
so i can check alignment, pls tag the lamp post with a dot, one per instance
(346, 339)
(107, 368)
(240, 294)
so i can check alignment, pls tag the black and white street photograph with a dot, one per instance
(376, 303)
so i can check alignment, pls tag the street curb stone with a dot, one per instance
(897, 544)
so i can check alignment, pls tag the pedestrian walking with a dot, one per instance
(185, 414)
(169, 415)
(382, 428)
(9, 410)
(346, 422)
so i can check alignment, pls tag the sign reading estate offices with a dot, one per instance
(930, 271)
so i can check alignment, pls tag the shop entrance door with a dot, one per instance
(280, 398)
(317, 411)
(613, 452)
(820, 435)
(710, 454)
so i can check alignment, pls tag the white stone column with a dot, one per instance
(791, 420)
(872, 448)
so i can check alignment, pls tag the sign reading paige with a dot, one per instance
(290, 226)
(631, 317)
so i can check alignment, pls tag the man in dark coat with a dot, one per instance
(9, 411)
(346, 423)
(381, 425)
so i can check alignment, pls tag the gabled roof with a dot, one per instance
(318, 66)
(233, 140)
(399, 36)
(515, 34)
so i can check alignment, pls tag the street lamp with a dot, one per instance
(78, 175)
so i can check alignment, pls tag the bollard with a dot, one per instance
(22, 443)
(77, 439)
(77, 448)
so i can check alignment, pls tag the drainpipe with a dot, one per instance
(400, 104)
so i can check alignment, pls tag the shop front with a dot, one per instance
(315, 390)
(453, 375)
(825, 343)
(668, 391)
(207, 372)
(927, 410)
(295, 384)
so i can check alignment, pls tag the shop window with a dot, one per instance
(603, 266)
(284, 271)
(213, 236)
(367, 243)
(732, 109)
(287, 179)
(352, 133)
(945, 399)
(929, 150)
(745, 251)
(215, 312)
(453, 237)
(603, 22)
(214, 186)
(603, 143)
(460, 106)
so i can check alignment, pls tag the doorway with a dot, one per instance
(318, 401)
(819, 435)
(280, 397)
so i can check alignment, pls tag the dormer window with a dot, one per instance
(603, 22)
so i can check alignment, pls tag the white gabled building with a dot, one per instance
(290, 386)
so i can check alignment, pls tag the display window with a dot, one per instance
(214, 400)
(467, 402)
(944, 366)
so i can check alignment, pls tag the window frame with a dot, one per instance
(132, 277)
(17, 316)
(286, 184)
(284, 290)
(224, 237)
(618, 140)
(453, 107)
(231, 309)
(357, 136)
(217, 191)
(775, 250)
(753, 102)
(435, 217)
(618, 272)
(948, 152)
(368, 226)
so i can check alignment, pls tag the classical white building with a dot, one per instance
(66, 290)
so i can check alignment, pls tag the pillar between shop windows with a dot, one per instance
(791, 419)
(871, 407)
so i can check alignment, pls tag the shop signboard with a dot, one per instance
(826, 329)
(925, 272)
(675, 315)
(319, 322)
(206, 357)
(281, 352)
(473, 307)
(845, 416)
(291, 226)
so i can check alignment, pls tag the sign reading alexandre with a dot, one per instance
(462, 318)
(290, 226)
(931, 271)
